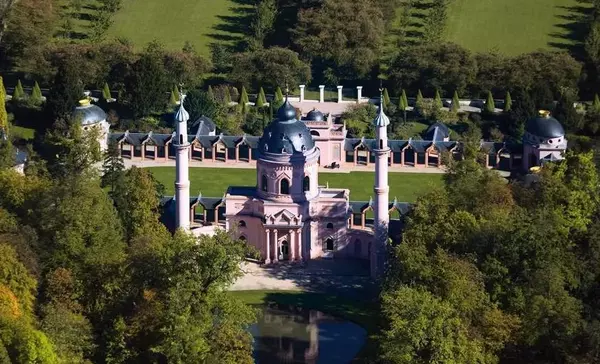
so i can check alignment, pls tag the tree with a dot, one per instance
(106, 94)
(419, 101)
(278, 95)
(147, 85)
(328, 35)
(70, 151)
(507, 102)
(265, 13)
(176, 93)
(113, 167)
(386, 98)
(210, 93)
(65, 93)
(3, 113)
(490, 106)
(5, 8)
(270, 67)
(243, 97)
(565, 111)
(403, 103)
(198, 103)
(173, 99)
(18, 93)
(227, 98)
(261, 99)
(455, 102)
(437, 100)
(36, 95)
(15, 277)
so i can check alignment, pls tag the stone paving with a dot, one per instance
(346, 277)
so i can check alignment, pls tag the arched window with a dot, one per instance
(380, 143)
(263, 183)
(306, 183)
(329, 244)
(242, 223)
(315, 133)
(242, 238)
(180, 139)
(330, 226)
(284, 187)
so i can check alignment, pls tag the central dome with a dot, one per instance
(545, 126)
(286, 134)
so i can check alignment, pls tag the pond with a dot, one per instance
(296, 335)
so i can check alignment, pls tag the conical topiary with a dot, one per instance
(176, 92)
(386, 98)
(18, 93)
(596, 103)
(419, 101)
(36, 94)
(3, 113)
(490, 107)
(403, 103)
(173, 99)
(455, 102)
(437, 100)
(106, 95)
(210, 93)
(244, 96)
(507, 102)
(278, 95)
(261, 99)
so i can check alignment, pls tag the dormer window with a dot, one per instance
(263, 183)
(284, 187)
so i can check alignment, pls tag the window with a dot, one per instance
(306, 184)
(242, 223)
(329, 244)
(263, 183)
(380, 143)
(242, 238)
(284, 187)
(330, 226)
(180, 139)
(315, 133)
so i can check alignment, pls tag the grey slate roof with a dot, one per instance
(89, 114)
(437, 131)
(397, 146)
(286, 135)
(545, 127)
(202, 126)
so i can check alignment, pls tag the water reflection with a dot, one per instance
(294, 335)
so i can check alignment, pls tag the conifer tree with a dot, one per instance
(227, 96)
(419, 101)
(173, 100)
(508, 102)
(403, 103)
(176, 92)
(113, 167)
(3, 113)
(596, 104)
(386, 98)
(18, 93)
(455, 102)
(437, 100)
(106, 92)
(261, 100)
(210, 93)
(36, 95)
(278, 95)
(490, 107)
(244, 96)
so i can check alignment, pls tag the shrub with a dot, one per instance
(18, 93)
(490, 107)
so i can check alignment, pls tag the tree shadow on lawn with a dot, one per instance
(235, 29)
(573, 30)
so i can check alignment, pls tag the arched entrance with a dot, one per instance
(284, 250)
(329, 244)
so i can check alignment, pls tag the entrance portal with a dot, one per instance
(284, 250)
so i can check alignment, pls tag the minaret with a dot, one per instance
(381, 189)
(182, 180)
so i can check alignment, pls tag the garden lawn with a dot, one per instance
(213, 182)
(21, 132)
(512, 27)
(174, 22)
(361, 312)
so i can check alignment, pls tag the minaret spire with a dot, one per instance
(381, 190)
(182, 181)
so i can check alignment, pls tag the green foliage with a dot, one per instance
(243, 96)
(419, 101)
(70, 333)
(7, 154)
(17, 279)
(359, 119)
(261, 99)
(173, 100)
(437, 100)
(455, 102)
(112, 167)
(198, 103)
(507, 102)
(210, 93)
(22, 343)
(147, 85)
(403, 101)
(278, 96)
(490, 106)
(265, 13)
(227, 96)
(65, 93)
(106, 95)
(36, 95)
(71, 151)
(3, 114)
(386, 98)
(596, 103)
(18, 93)
(176, 92)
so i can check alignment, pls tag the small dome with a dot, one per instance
(545, 126)
(286, 134)
(88, 114)
(315, 115)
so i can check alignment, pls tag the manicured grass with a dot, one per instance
(361, 312)
(511, 27)
(174, 22)
(214, 181)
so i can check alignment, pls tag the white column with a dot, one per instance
(268, 258)
(300, 245)
(381, 189)
(302, 92)
(276, 257)
(340, 93)
(321, 93)
(358, 94)
(182, 180)
(292, 234)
